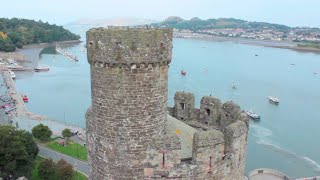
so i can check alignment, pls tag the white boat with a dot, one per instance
(233, 85)
(273, 100)
(252, 115)
(13, 75)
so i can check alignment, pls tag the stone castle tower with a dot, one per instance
(129, 133)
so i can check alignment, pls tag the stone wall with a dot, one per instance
(129, 81)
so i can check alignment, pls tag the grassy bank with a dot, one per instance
(35, 176)
(72, 149)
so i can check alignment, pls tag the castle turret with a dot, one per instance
(183, 106)
(210, 110)
(129, 80)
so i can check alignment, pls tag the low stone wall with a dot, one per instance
(268, 171)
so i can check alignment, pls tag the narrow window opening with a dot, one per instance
(118, 43)
(210, 165)
(183, 105)
(163, 160)
(208, 112)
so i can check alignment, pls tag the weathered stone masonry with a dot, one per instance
(126, 124)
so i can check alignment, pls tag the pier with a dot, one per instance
(66, 54)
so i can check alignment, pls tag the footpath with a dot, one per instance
(78, 165)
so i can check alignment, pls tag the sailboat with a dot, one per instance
(233, 85)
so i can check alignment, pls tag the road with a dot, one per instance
(48, 153)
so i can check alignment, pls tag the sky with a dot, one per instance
(287, 12)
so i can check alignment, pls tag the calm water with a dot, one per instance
(287, 138)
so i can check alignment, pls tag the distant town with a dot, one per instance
(303, 34)
(236, 28)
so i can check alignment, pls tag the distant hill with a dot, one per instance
(112, 22)
(196, 23)
(18, 32)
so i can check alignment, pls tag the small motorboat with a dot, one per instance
(183, 73)
(256, 55)
(25, 98)
(252, 115)
(39, 69)
(273, 100)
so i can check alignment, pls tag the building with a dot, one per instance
(129, 132)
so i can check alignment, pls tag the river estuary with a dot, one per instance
(286, 138)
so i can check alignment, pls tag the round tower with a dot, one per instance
(129, 80)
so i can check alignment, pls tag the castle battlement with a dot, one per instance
(218, 146)
(118, 45)
(211, 115)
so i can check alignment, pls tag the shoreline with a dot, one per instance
(52, 44)
(20, 117)
(265, 43)
(19, 56)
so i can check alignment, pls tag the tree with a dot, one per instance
(22, 31)
(66, 133)
(31, 146)
(41, 132)
(64, 170)
(17, 152)
(47, 169)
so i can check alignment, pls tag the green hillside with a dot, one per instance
(18, 32)
(195, 24)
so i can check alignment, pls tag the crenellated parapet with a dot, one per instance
(112, 47)
(211, 115)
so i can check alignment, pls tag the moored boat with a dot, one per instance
(253, 115)
(13, 75)
(38, 69)
(273, 100)
(183, 72)
(25, 98)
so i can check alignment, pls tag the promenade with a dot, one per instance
(20, 117)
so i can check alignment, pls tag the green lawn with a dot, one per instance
(72, 149)
(77, 176)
